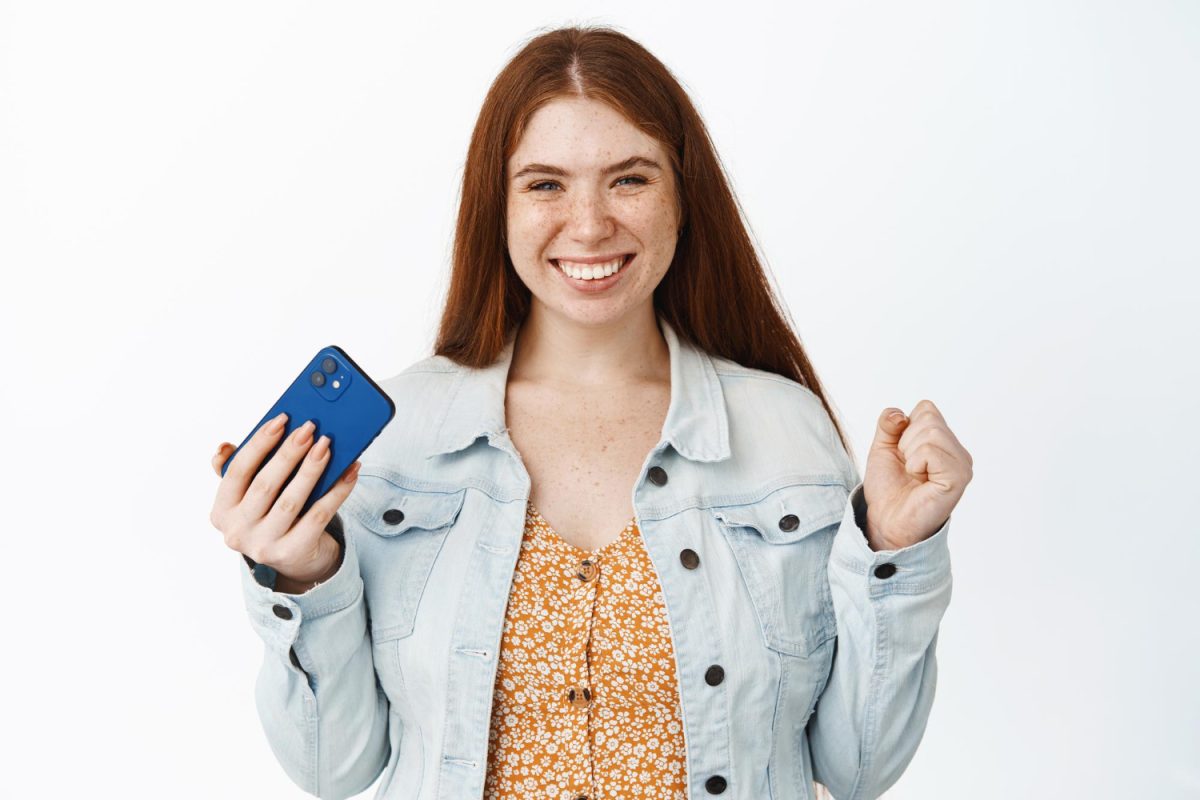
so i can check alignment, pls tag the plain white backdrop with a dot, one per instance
(992, 205)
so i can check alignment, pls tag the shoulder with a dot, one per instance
(738, 378)
(777, 422)
(750, 392)
(420, 393)
(431, 368)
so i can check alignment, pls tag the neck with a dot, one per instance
(552, 350)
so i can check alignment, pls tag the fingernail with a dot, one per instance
(320, 448)
(897, 417)
(276, 425)
(304, 432)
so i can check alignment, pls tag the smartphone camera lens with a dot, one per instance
(317, 379)
(329, 364)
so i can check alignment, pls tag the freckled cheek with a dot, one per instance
(653, 218)
(529, 229)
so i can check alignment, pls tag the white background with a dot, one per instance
(991, 205)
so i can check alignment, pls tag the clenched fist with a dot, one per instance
(916, 473)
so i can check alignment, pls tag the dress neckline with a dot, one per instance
(629, 527)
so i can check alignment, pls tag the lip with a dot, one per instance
(591, 259)
(597, 284)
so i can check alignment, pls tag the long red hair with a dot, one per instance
(715, 294)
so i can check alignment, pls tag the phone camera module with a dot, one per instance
(317, 379)
(329, 364)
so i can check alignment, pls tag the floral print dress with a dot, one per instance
(586, 701)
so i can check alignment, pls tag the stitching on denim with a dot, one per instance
(709, 501)
(339, 602)
(773, 759)
(870, 733)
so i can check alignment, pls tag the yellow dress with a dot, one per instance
(586, 702)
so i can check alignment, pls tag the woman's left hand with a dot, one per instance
(916, 473)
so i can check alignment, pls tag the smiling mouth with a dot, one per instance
(591, 272)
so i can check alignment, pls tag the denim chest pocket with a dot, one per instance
(782, 544)
(403, 533)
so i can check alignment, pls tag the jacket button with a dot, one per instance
(789, 522)
(393, 516)
(688, 558)
(658, 476)
(283, 612)
(885, 570)
(580, 698)
(714, 675)
(588, 570)
(715, 784)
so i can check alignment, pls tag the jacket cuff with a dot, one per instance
(919, 567)
(278, 614)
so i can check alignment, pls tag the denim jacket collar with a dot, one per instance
(696, 425)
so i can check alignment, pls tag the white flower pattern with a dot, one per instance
(586, 700)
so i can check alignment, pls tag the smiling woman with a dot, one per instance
(712, 610)
(578, 155)
(553, 225)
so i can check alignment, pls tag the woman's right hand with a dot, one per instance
(264, 528)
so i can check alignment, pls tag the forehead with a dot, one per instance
(581, 133)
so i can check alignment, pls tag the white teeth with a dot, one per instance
(590, 272)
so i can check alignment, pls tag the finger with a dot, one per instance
(240, 471)
(265, 488)
(927, 420)
(889, 428)
(931, 463)
(925, 411)
(922, 459)
(926, 430)
(218, 460)
(282, 515)
(305, 535)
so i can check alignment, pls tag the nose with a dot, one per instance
(589, 218)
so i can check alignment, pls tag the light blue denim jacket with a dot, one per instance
(829, 661)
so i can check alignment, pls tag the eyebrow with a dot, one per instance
(549, 169)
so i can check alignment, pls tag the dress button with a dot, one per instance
(588, 570)
(283, 612)
(789, 522)
(714, 675)
(885, 570)
(715, 784)
(582, 797)
(658, 476)
(393, 516)
(688, 558)
(580, 698)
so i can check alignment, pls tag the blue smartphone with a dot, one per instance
(343, 403)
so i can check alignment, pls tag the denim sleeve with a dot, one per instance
(322, 710)
(872, 713)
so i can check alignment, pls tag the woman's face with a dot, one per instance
(587, 189)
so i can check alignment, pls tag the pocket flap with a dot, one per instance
(789, 514)
(390, 510)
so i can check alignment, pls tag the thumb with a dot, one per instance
(892, 422)
(218, 459)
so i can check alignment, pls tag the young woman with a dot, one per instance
(613, 544)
